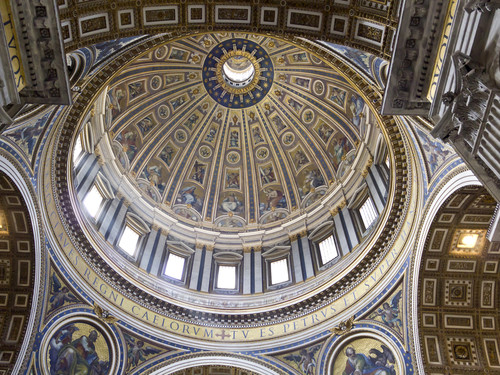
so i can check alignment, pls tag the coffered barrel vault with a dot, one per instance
(366, 25)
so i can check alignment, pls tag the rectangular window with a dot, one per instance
(78, 149)
(175, 266)
(368, 213)
(92, 201)
(328, 250)
(128, 241)
(279, 271)
(226, 277)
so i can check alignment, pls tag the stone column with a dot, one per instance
(198, 259)
(346, 231)
(207, 268)
(248, 269)
(257, 255)
(85, 175)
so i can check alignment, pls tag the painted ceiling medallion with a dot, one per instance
(238, 73)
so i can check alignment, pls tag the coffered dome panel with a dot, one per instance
(227, 156)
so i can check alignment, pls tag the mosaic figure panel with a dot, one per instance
(348, 161)
(198, 172)
(299, 158)
(168, 153)
(60, 294)
(365, 356)
(130, 141)
(78, 348)
(146, 125)
(136, 89)
(356, 104)
(192, 196)
(390, 311)
(117, 98)
(231, 203)
(303, 360)
(436, 153)
(155, 175)
(337, 96)
(271, 198)
(27, 134)
(309, 180)
(139, 351)
(338, 148)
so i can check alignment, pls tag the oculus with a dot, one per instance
(238, 73)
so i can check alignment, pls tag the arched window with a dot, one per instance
(325, 243)
(129, 240)
(226, 277)
(328, 250)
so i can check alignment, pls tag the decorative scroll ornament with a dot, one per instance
(343, 327)
(104, 315)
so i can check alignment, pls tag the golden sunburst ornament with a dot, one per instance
(243, 57)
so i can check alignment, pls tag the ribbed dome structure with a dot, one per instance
(208, 153)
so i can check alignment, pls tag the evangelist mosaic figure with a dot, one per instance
(361, 364)
(75, 356)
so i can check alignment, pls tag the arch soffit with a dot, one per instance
(460, 179)
(221, 359)
(16, 173)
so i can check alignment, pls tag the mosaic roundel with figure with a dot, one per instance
(79, 348)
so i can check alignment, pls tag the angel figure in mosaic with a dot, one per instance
(305, 361)
(234, 139)
(116, 99)
(275, 199)
(390, 313)
(257, 137)
(138, 351)
(199, 171)
(338, 96)
(211, 134)
(136, 89)
(356, 106)
(60, 294)
(167, 155)
(300, 159)
(154, 175)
